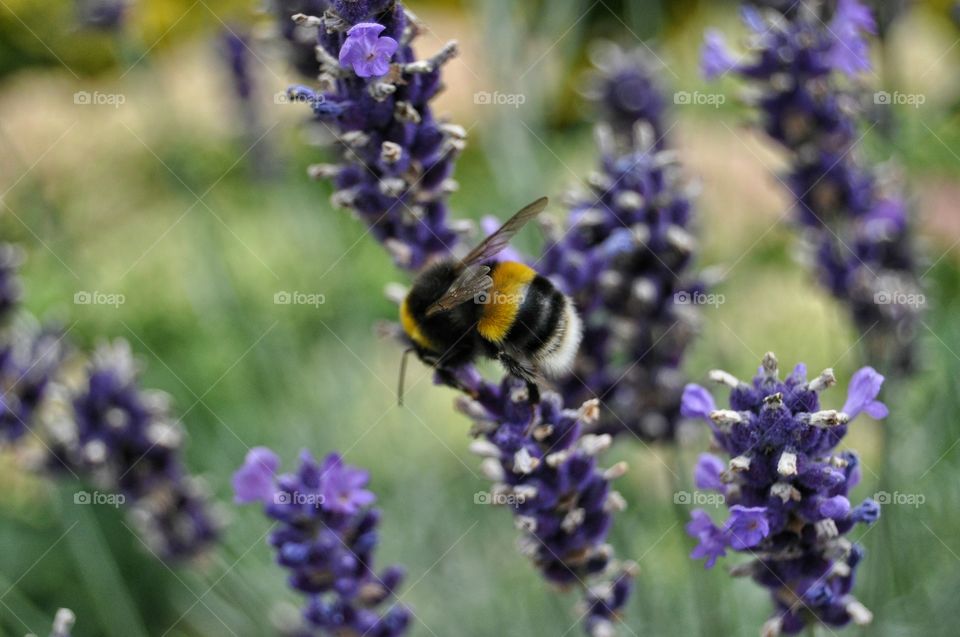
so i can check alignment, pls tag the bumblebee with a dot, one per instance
(459, 310)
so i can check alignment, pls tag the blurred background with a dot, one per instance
(131, 163)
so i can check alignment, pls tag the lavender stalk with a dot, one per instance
(625, 256)
(855, 224)
(396, 176)
(787, 489)
(542, 462)
(326, 536)
(94, 421)
(105, 427)
(375, 99)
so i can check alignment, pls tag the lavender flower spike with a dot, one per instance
(787, 488)
(396, 176)
(540, 459)
(326, 537)
(103, 426)
(625, 256)
(29, 354)
(375, 98)
(29, 358)
(854, 223)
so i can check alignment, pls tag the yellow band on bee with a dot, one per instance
(510, 281)
(411, 328)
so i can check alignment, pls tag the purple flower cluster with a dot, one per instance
(858, 233)
(786, 487)
(326, 539)
(121, 437)
(624, 256)
(625, 90)
(29, 354)
(29, 358)
(97, 423)
(374, 98)
(545, 467)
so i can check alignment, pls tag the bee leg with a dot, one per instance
(534, 390)
(515, 368)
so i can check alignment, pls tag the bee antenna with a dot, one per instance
(403, 375)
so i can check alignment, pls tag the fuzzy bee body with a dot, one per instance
(460, 310)
(522, 314)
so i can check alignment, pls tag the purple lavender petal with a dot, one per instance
(368, 54)
(254, 481)
(747, 526)
(861, 397)
(712, 542)
(850, 53)
(697, 402)
(707, 472)
(836, 507)
(716, 59)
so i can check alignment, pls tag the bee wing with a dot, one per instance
(474, 280)
(499, 239)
